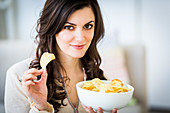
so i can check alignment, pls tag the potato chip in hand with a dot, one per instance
(45, 59)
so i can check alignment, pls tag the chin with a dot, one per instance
(78, 55)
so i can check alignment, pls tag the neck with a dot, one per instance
(70, 64)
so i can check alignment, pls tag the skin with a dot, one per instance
(77, 34)
(72, 43)
(36, 90)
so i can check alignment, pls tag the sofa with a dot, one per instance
(14, 51)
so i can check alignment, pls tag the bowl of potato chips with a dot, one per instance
(105, 94)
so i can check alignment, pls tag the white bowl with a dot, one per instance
(107, 101)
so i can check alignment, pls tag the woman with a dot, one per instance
(70, 29)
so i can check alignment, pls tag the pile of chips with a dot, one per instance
(115, 86)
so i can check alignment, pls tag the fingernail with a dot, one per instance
(114, 111)
(35, 78)
(99, 109)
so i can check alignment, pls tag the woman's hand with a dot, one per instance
(36, 90)
(99, 110)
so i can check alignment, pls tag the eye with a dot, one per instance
(69, 27)
(88, 26)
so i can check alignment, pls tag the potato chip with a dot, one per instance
(106, 88)
(96, 89)
(88, 85)
(45, 59)
(97, 82)
(116, 82)
(115, 86)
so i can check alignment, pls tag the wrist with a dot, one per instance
(41, 107)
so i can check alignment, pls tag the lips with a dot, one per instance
(78, 46)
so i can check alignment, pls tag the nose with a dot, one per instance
(79, 35)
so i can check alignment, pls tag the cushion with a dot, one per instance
(114, 64)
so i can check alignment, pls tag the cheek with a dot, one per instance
(64, 37)
(90, 36)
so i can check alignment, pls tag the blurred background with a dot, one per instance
(128, 23)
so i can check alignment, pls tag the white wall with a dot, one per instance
(27, 14)
(119, 20)
(156, 35)
(144, 22)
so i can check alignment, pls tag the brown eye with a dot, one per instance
(69, 27)
(88, 26)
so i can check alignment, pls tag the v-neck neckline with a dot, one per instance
(74, 108)
(77, 105)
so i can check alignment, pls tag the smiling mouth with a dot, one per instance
(78, 46)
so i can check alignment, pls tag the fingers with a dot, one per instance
(91, 109)
(28, 83)
(29, 76)
(33, 71)
(99, 109)
(44, 76)
(88, 109)
(114, 110)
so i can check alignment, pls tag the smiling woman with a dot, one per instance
(77, 34)
(70, 29)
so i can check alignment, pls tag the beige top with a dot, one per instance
(17, 102)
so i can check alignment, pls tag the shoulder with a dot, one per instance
(19, 68)
(14, 92)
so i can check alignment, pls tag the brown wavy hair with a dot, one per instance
(52, 20)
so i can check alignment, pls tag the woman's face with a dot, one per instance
(76, 36)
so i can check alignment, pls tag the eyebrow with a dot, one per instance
(75, 24)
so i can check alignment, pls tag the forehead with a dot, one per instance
(83, 15)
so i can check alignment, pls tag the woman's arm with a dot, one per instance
(16, 100)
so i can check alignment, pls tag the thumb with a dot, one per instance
(44, 75)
